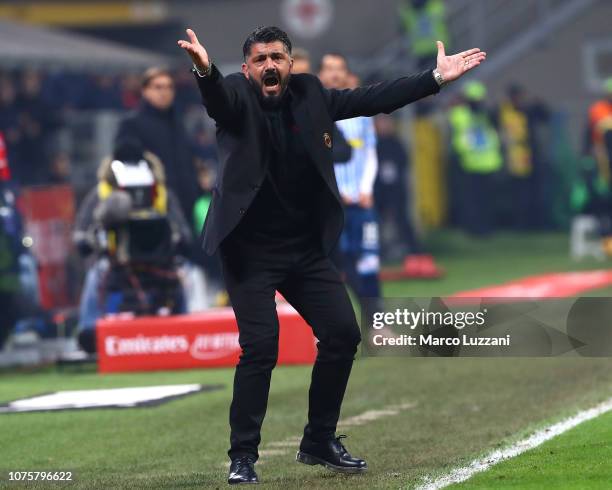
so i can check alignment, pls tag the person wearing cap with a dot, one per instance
(476, 149)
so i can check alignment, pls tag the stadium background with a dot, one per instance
(86, 59)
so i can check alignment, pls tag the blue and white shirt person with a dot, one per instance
(356, 177)
(359, 242)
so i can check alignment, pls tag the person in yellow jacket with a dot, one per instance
(424, 23)
(518, 120)
(599, 145)
(477, 157)
(600, 126)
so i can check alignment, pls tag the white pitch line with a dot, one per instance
(276, 448)
(462, 474)
(371, 415)
(361, 419)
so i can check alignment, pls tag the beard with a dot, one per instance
(270, 102)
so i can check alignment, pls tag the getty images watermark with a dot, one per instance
(487, 327)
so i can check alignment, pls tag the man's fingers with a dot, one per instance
(192, 36)
(470, 52)
(186, 46)
(191, 50)
(440, 48)
(471, 65)
(474, 57)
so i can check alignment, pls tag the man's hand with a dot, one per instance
(346, 200)
(366, 200)
(196, 51)
(453, 67)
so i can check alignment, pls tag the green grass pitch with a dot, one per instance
(453, 409)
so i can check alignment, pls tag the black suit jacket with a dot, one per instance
(244, 142)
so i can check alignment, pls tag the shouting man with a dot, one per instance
(275, 215)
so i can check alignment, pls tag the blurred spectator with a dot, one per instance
(68, 91)
(130, 91)
(207, 174)
(106, 93)
(206, 167)
(38, 121)
(9, 119)
(358, 251)
(187, 93)
(157, 125)
(518, 121)
(341, 149)
(600, 126)
(10, 249)
(205, 148)
(423, 23)
(393, 198)
(301, 61)
(206, 182)
(60, 168)
(599, 144)
(477, 159)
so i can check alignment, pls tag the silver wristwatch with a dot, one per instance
(438, 78)
(203, 74)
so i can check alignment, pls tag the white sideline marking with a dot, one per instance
(271, 452)
(361, 419)
(372, 415)
(462, 474)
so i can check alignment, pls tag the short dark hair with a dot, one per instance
(267, 34)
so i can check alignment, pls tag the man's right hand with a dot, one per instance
(196, 51)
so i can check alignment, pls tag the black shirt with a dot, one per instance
(284, 206)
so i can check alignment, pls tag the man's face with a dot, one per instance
(268, 68)
(334, 72)
(159, 92)
(301, 65)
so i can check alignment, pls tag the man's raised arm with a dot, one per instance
(220, 98)
(391, 95)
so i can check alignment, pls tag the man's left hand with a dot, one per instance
(454, 66)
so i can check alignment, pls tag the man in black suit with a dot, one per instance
(276, 214)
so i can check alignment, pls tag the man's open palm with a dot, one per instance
(454, 66)
(196, 51)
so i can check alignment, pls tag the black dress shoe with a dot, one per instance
(242, 470)
(332, 454)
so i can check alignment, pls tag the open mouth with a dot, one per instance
(271, 83)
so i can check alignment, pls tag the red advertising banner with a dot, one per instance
(208, 339)
(48, 214)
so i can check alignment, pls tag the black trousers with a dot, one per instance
(253, 272)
